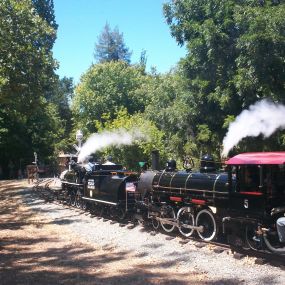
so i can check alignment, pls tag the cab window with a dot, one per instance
(247, 178)
(274, 180)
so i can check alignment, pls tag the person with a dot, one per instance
(280, 224)
(89, 165)
(109, 161)
(251, 178)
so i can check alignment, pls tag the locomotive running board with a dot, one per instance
(177, 224)
(99, 201)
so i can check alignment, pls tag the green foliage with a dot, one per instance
(106, 88)
(45, 9)
(261, 45)
(61, 97)
(236, 56)
(168, 109)
(28, 122)
(151, 139)
(111, 46)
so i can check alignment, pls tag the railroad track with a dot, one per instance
(44, 189)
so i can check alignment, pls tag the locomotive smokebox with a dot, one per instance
(155, 160)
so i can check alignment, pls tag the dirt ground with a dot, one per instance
(34, 250)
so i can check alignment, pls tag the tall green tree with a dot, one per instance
(111, 46)
(235, 57)
(45, 9)
(151, 138)
(28, 122)
(107, 88)
(61, 97)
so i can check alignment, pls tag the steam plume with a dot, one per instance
(107, 138)
(264, 117)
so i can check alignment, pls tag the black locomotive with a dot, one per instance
(101, 187)
(241, 203)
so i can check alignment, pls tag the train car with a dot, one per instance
(242, 203)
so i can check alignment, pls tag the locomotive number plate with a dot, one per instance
(91, 184)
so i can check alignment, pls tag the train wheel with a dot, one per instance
(206, 219)
(155, 223)
(120, 214)
(185, 217)
(112, 212)
(73, 199)
(251, 240)
(167, 212)
(78, 199)
(68, 199)
(83, 205)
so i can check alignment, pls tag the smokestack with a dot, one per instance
(155, 160)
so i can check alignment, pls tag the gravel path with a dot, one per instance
(157, 250)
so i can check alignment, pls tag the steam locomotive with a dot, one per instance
(241, 203)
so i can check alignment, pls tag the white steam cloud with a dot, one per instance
(264, 117)
(107, 138)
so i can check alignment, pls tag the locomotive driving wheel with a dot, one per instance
(83, 205)
(206, 220)
(120, 214)
(78, 199)
(185, 218)
(73, 199)
(116, 212)
(155, 223)
(252, 241)
(167, 212)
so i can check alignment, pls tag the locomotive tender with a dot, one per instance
(241, 204)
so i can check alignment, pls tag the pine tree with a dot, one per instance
(111, 46)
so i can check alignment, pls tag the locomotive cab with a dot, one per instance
(256, 186)
(257, 196)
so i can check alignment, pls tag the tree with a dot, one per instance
(45, 9)
(105, 89)
(61, 97)
(111, 46)
(140, 150)
(28, 122)
(235, 57)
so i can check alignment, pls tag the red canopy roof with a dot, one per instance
(258, 158)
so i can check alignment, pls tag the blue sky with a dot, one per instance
(141, 22)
